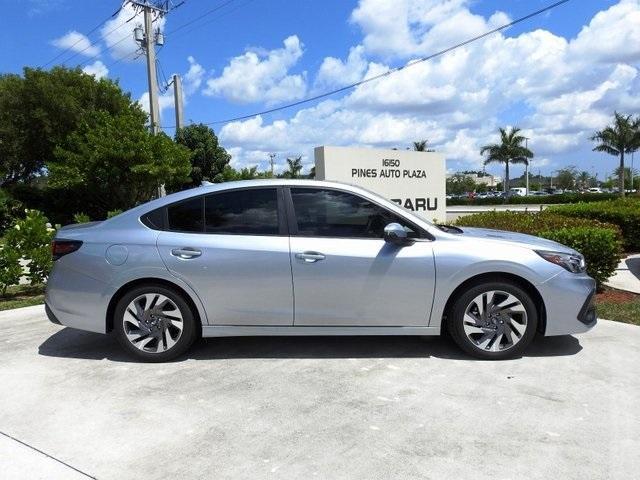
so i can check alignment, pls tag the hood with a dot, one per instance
(533, 242)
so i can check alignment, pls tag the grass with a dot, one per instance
(22, 296)
(625, 312)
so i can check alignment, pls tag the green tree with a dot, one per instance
(566, 178)
(294, 167)
(115, 163)
(459, 184)
(208, 158)
(422, 146)
(39, 109)
(230, 174)
(584, 180)
(509, 151)
(618, 139)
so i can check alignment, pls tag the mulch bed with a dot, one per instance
(611, 295)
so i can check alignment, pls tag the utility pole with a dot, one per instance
(177, 99)
(272, 157)
(148, 41)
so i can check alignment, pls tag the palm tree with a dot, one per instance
(618, 139)
(584, 179)
(421, 146)
(508, 151)
(294, 167)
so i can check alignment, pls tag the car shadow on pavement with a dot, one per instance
(71, 343)
(633, 264)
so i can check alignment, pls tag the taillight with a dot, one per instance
(60, 248)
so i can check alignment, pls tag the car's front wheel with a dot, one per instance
(154, 323)
(493, 321)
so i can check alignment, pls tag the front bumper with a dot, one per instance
(569, 302)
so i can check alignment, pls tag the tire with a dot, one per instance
(154, 323)
(501, 330)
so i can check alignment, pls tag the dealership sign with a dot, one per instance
(414, 180)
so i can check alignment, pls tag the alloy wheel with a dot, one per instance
(495, 321)
(153, 323)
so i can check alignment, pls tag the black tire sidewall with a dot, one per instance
(456, 328)
(189, 332)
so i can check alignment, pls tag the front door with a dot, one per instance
(345, 274)
(232, 248)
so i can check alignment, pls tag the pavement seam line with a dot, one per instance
(47, 455)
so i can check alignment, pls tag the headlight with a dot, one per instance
(574, 262)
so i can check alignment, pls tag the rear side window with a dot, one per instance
(186, 216)
(242, 212)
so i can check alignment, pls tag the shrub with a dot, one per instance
(31, 237)
(599, 242)
(533, 199)
(10, 209)
(113, 213)
(531, 223)
(81, 218)
(623, 212)
(10, 268)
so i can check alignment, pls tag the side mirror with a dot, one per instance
(396, 234)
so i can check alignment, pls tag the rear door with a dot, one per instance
(232, 247)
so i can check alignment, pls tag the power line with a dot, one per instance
(208, 12)
(211, 20)
(93, 57)
(80, 39)
(391, 71)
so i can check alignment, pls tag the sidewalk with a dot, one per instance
(627, 275)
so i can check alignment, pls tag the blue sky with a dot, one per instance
(558, 76)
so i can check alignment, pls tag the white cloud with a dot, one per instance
(612, 36)
(77, 42)
(259, 76)
(97, 69)
(335, 72)
(194, 76)
(549, 85)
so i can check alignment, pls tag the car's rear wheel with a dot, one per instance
(154, 323)
(493, 321)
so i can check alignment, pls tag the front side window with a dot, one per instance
(242, 212)
(332, 213)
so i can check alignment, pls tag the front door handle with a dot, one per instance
(310, 257)
(186, 252)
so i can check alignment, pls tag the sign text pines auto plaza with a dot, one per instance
(414, 180)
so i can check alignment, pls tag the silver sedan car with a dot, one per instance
(295, 257)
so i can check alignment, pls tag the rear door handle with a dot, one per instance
(186, 252)
(310, 257)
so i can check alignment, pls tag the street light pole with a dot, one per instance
(526, 166)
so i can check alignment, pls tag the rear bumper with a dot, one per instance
(50, 315)
(569, 301)
(76, 300)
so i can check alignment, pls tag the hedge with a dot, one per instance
(531, 199)
(623, 212)
(599, 242)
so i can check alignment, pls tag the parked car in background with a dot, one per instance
(292, 257)
(518, 191)
(595, 190)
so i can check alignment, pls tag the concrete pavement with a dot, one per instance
(330, 408)
(627, 275)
